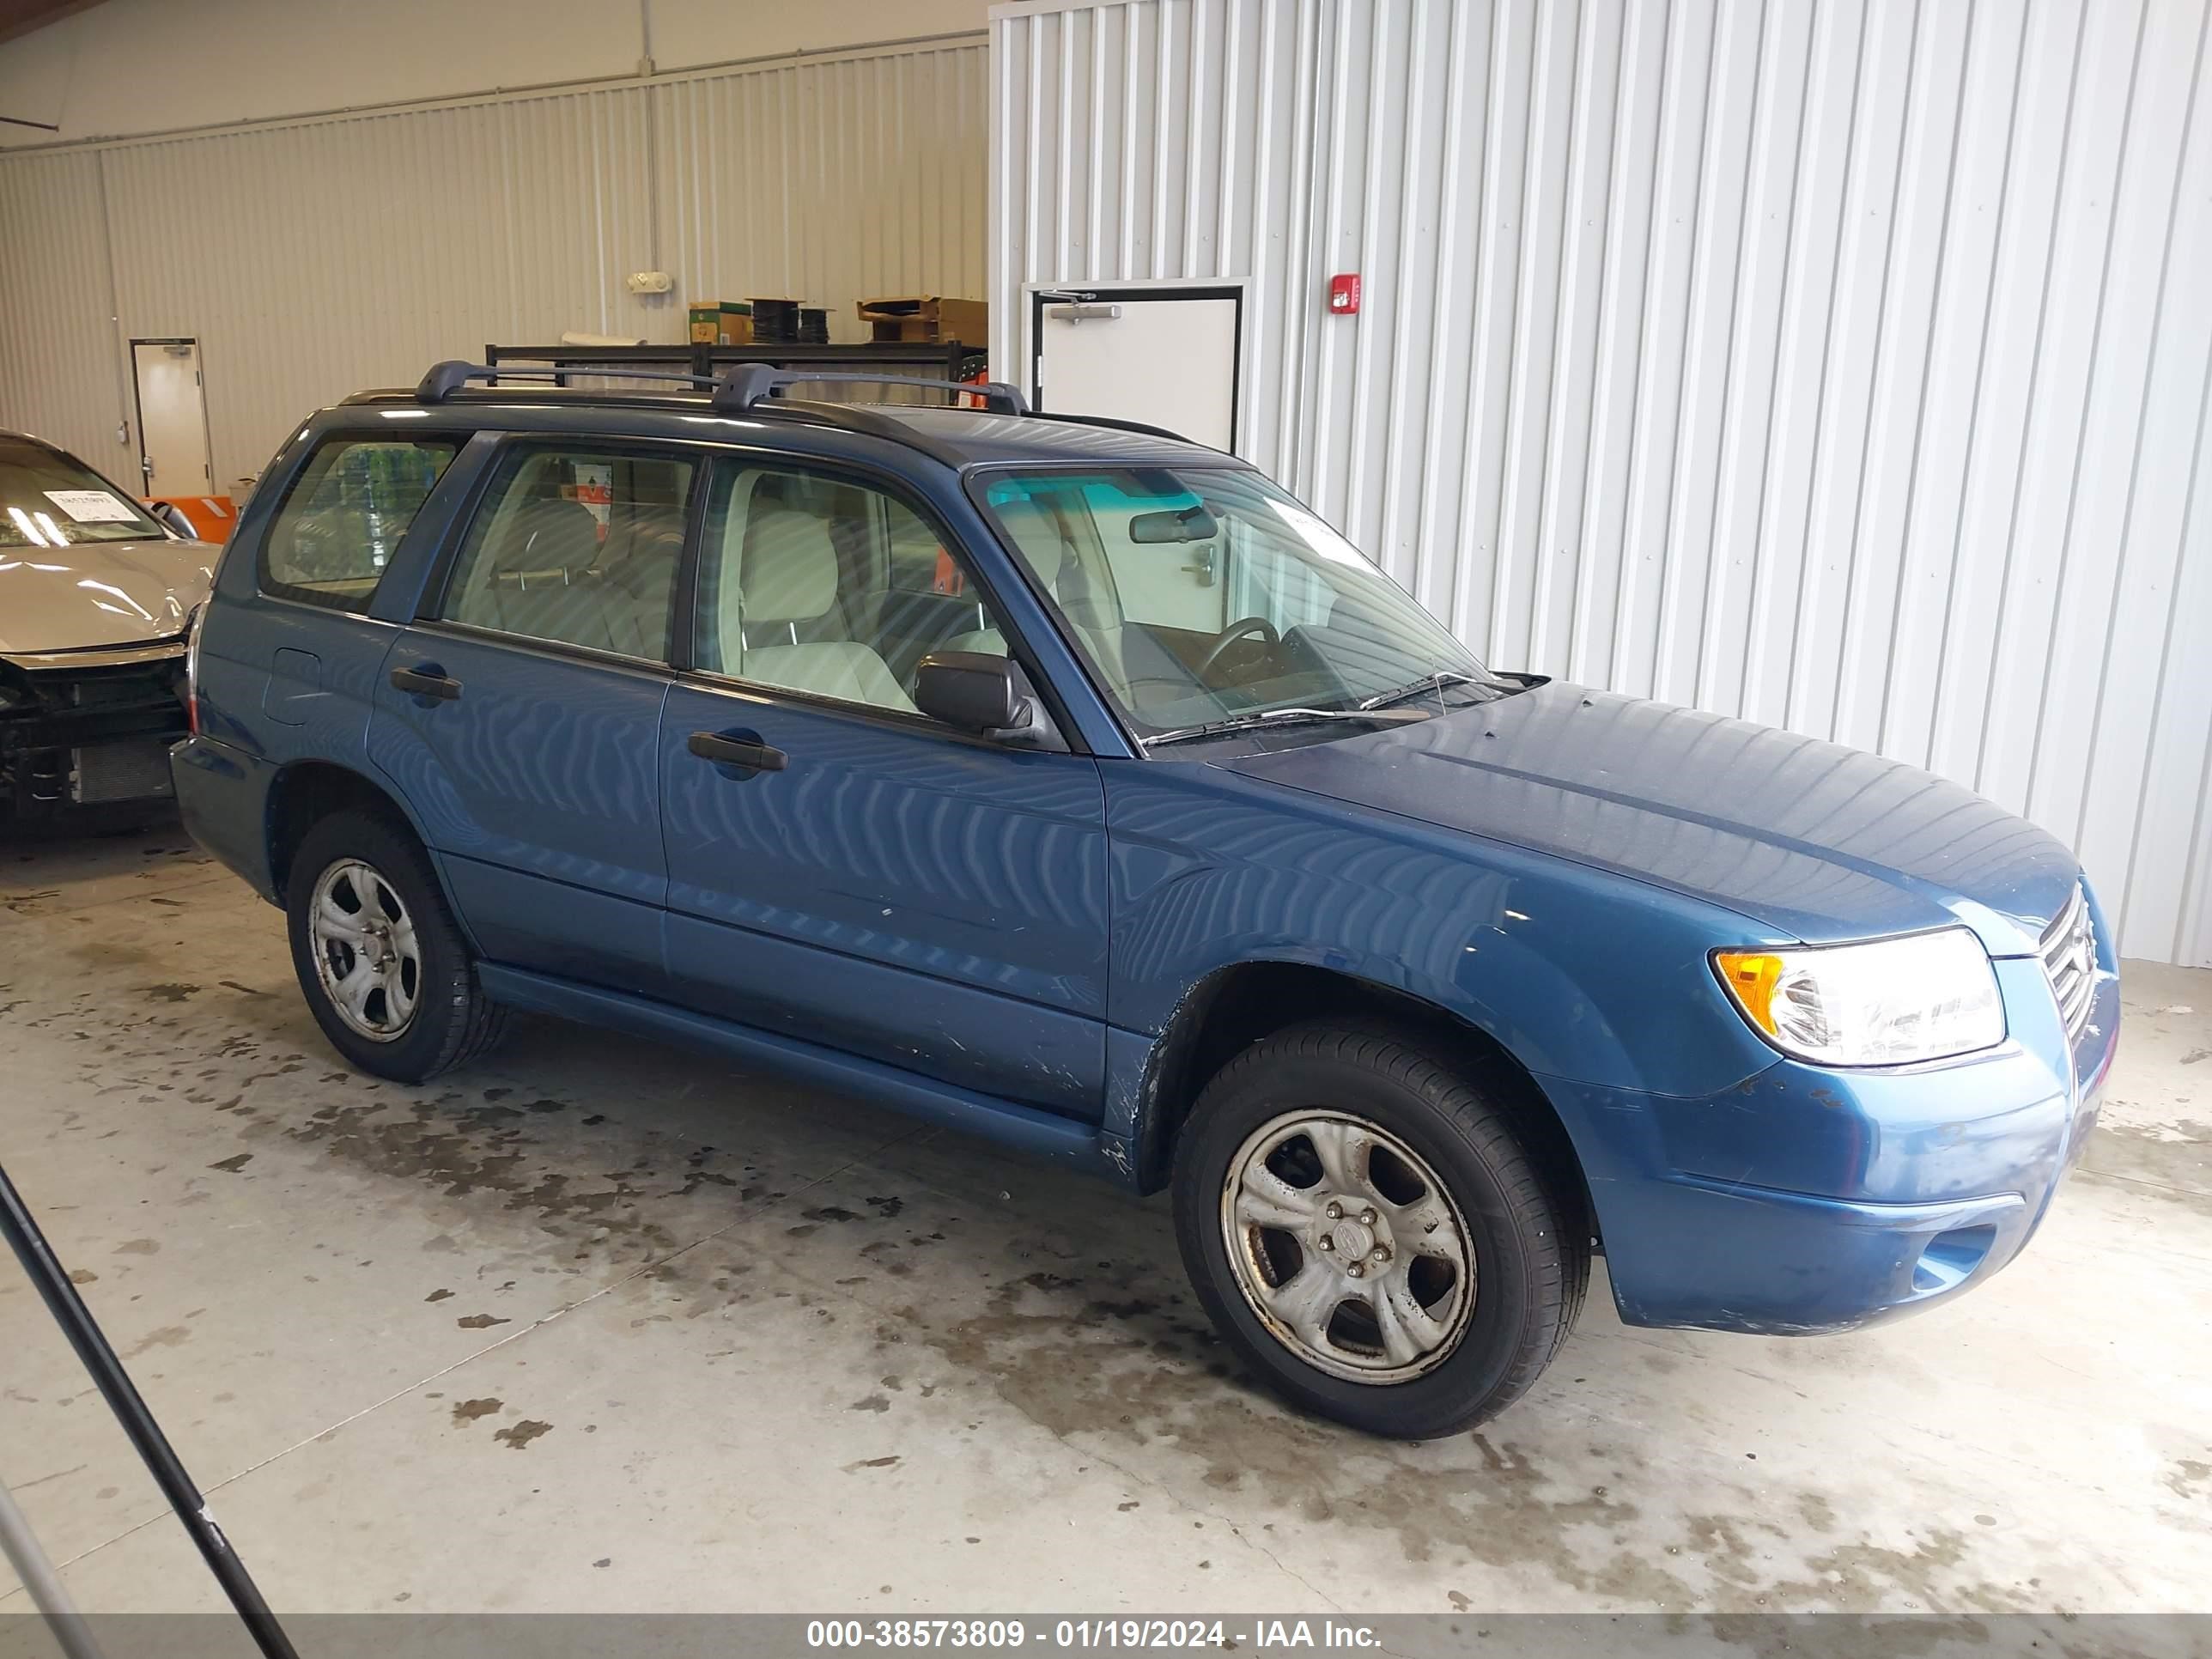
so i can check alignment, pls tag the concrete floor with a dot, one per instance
(595, 1325)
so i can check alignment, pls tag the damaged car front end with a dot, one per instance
(96, 600)
(89, 729)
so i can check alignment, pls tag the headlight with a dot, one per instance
(1895, 1000)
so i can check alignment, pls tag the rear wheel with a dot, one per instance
(1368, 1233)
(379, 958)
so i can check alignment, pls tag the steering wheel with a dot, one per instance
(1229, 636)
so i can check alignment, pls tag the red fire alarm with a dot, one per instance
(1343, 295)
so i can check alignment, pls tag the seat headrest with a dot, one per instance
(788, 572)
(549, 533)
(1037, 527)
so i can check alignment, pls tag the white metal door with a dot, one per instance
(1163, 355)
(173, 435)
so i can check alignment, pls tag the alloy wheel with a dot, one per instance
(367, 955)
(1348, 1247)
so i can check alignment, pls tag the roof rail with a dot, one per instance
(445, 379)
(744, 384)
(740, 386)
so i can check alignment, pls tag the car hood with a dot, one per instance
(100, 594)
(1814, 841)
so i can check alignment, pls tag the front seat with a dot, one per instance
(1095, 617)
(787, 580)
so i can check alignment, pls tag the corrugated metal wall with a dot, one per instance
(311, 260)
(1839, 364)
(315, 256)
(58, 360)
(897, 143)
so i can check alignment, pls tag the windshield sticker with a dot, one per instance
(93, 506)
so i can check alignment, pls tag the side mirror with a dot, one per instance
(988, 696)
(172, 518)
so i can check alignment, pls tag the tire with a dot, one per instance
(451, 1019)
(1430, 1135)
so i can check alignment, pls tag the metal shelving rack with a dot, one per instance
(924, 360)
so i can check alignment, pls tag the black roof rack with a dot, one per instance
(445, 379)
(741, 387)
(744, 384)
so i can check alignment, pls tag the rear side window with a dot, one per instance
(576, 547)
(341, 520)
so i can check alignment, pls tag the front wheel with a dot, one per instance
(379, 958)
(1366, 1231)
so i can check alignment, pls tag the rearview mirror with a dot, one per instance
(1190, 524)
(988, 696)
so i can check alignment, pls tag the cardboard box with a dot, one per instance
(928, 318)
(721, 322)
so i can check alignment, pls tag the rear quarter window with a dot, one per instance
(341, 520)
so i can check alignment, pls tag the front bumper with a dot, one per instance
(89, 729)
(1809, 1199)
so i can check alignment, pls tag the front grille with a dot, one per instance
(2069, 950)
(118, 690)
(120, 687)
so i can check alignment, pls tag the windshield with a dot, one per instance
(1203, 595)
(48, 498)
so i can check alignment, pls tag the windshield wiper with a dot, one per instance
(1435, 682)
(1363, 715)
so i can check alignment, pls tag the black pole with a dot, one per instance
(116, 1387)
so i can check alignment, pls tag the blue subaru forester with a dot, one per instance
(1069, 783)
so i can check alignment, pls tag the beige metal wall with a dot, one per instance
(1840, 363)
(311, 258)
(58, 358)
(837, 181)
(122, 69)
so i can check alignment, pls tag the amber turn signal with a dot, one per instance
(1751, 977)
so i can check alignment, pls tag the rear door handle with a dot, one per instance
(426, 680)
(746, 751)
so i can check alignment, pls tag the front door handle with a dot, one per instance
(426, 680)
(747, 751)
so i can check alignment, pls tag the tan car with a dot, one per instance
(96, 598)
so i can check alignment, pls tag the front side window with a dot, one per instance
(576, 547)
(51, 499)
(817, 584)
(1207, 595)
(341, 521)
